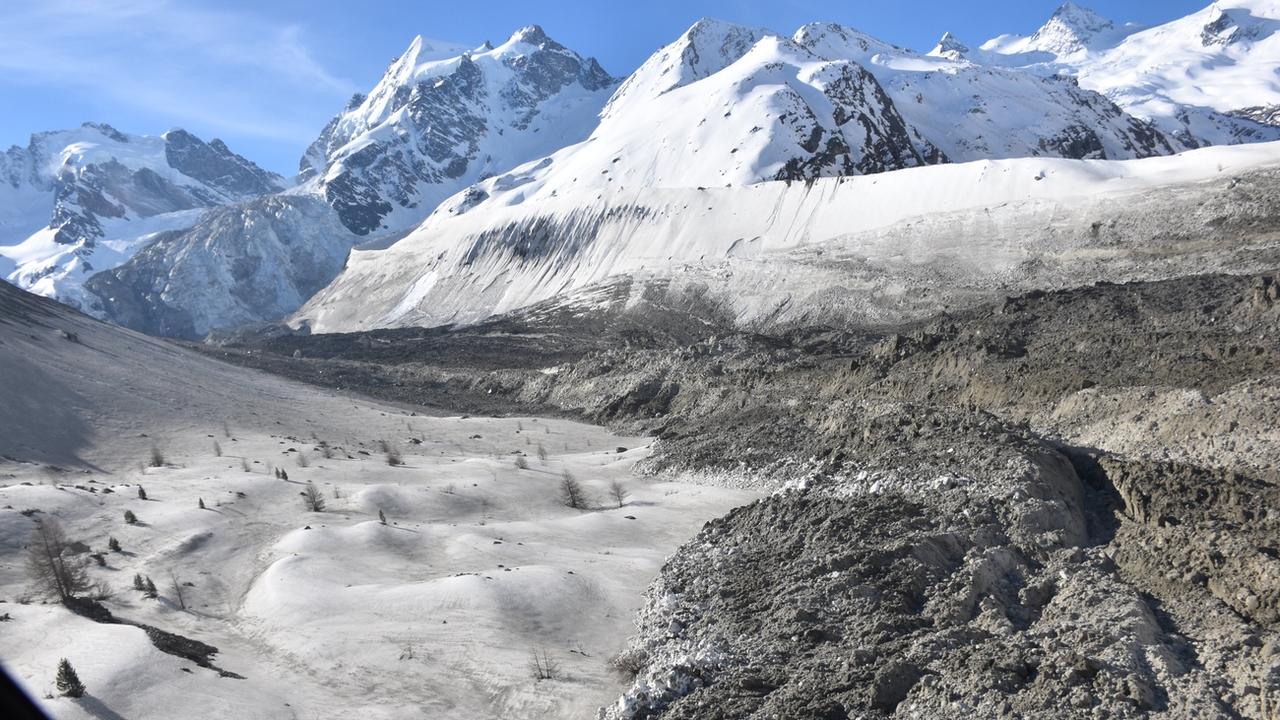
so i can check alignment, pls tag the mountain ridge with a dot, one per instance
(102, 193)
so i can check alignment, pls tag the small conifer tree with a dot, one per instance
(142, 493)
(200, 501)
(150, 588)
(382, 517)
(130, 518)
(138, 583)
(68, 682)
(113, 544)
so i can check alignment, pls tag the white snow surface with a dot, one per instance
(325, 614)
(528, 243)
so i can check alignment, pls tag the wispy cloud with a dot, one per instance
(228, 71)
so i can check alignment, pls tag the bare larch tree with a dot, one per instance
(51, 567)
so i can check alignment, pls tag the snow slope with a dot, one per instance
(326, 614)
(981, 225)
(1194, 77)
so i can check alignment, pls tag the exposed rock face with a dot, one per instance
(246, 263)
(1264, 114)
(860, 111)
(216, 166)
(1228, 27)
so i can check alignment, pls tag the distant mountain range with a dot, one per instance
(78, 201)
(1207, 78)
(175, 236)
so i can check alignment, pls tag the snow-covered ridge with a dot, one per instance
(1195, 77)
(444, 116)
(705, 49)
(729, 105)
(464, 267)
(77, 201)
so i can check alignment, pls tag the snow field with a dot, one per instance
(432, 615)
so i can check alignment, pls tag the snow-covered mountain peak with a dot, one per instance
(423, 50)
(832, 40)
(530, 35)
(1080, 18)
(1072, 31)
(444, 116)
(950, 46)
(1210, 77)
(1240, 22)
(210, 170)
(1072, 28)
(409, 65)
(706, 48)
(726, 105)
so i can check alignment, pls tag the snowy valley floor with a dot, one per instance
(329, 613)
(1056, 505)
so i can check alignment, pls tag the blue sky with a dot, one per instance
(265, 76)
